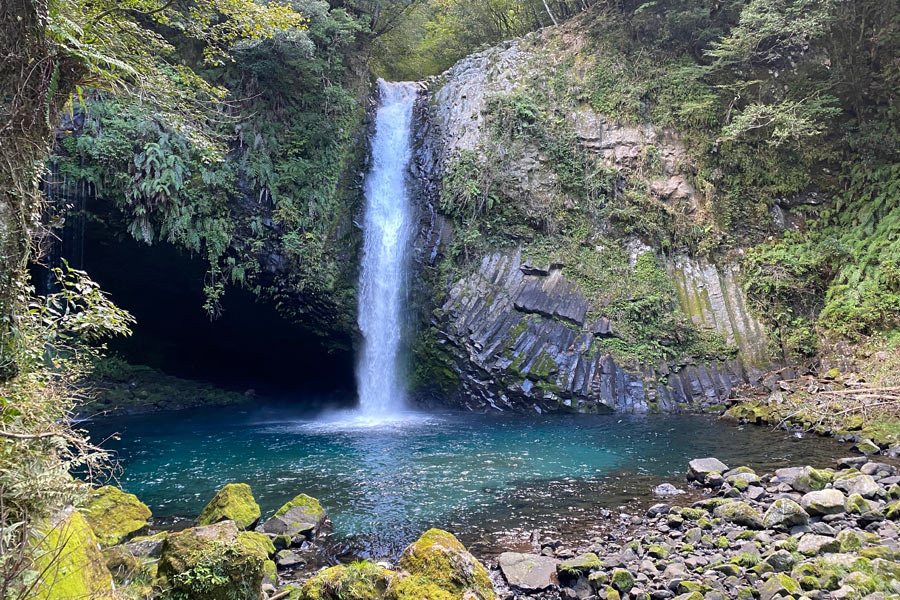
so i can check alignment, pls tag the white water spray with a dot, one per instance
(386, 231)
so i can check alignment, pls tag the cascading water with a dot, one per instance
(386, 231)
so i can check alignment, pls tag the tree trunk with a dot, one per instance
(34, 82)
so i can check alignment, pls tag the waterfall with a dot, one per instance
(386, 231)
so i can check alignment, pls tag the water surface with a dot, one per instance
(481, 476)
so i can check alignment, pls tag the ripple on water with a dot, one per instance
(385, 482)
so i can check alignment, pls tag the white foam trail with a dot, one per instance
(387, 228)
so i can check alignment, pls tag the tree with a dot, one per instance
(51, 49)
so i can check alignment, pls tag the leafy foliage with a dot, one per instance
(39, 446)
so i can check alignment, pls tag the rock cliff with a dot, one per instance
(522, 317)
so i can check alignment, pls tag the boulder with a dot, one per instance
(667, 489)
(187, 555)
(528, 572)
(71, 562)
(257, 541)
(147, 546)
(810, 480)
(438, 566)
(622, 580)
(813, 545)
(581, 564)
(780, 561)
(301, 519)
(699, 469)
(823, 502)
(740, 513)
(784, 514)
(234, 502)
(115, 516)
(864, 485)
(362, 580)
(779, 584)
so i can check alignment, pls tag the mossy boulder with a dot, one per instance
(210, 563)
(257, 541)
(72, 565)
(115, 516)
(740, 513)
(234, 502)
(438, 567)
(356, 581)
(857, 505)
(299, 520)
(779, 584)
(810, 479)
(622, 580)
(784, 514)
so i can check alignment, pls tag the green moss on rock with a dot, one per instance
(309, 505)
(257, 541)
(440, 568)
(356, 581)
(115, 516)
(234, 502)
(209, 563)
(72, 565)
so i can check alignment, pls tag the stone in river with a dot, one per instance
(700, 468)
(667, 489)
(528, 572)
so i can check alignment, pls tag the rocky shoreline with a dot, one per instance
(800, 532)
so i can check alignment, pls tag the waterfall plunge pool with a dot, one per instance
(490, 479)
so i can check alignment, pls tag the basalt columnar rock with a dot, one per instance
(523, 334)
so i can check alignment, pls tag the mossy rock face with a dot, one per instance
(257, 541)
(440, 568)
(234, 502)
(73, 566)
(114, 515)
(210, 563)
(122, 564)
(356, 581)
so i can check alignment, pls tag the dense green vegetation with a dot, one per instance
(275, 213)
(788, 110)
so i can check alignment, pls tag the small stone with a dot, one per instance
(667, 489)
(658, 509)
